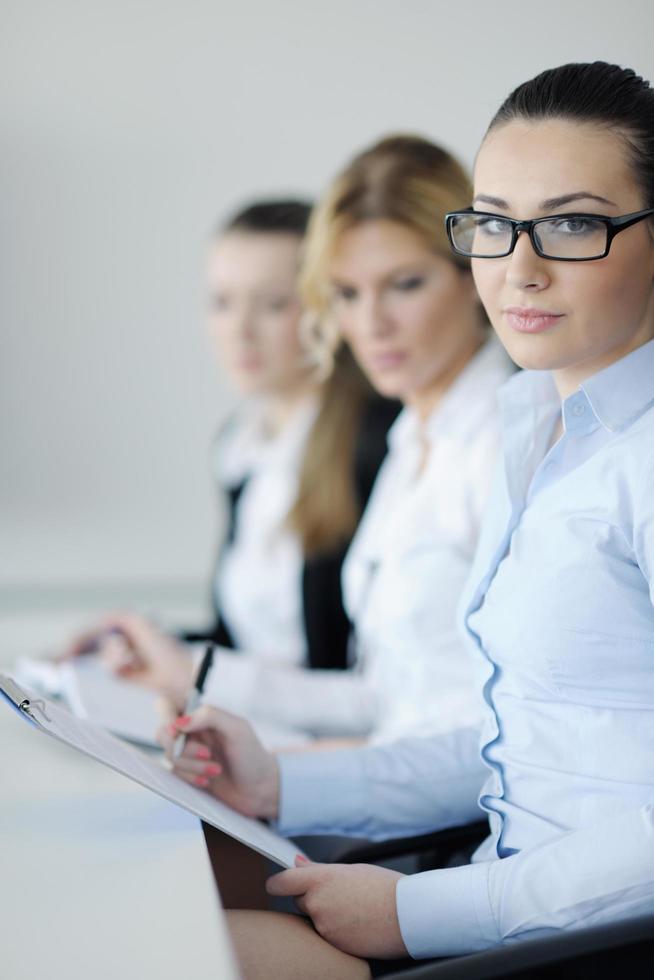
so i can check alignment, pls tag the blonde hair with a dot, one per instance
(327, 506)
(401, 178)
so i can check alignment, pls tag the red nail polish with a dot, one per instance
(183, 720)
(203, 753)
(201, 781)
(213, 769)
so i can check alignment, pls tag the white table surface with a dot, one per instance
(99, 878)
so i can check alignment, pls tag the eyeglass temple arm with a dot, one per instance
(630, 219)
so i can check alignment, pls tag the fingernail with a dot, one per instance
(201, 781)
(182, 720)
(213, 769)
(203, 753)
(301, 859)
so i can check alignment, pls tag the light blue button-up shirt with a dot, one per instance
(559, 612)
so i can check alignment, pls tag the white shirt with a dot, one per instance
(412, 552)
(559, 614)
(402, 579)
(259, 581)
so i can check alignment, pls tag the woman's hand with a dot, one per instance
(223, 755)
(352, 906)
(135, 649)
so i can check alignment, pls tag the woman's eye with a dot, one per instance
(575, 226)
(409, 283)
(278, 305)
(492, 226)
(219, 303)
(344, 294)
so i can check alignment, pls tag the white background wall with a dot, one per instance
(127, 127)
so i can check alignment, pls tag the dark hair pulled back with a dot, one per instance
(593, 92)
(284, 216)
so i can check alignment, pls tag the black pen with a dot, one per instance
(194, 697)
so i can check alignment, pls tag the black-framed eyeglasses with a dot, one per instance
(565, 237)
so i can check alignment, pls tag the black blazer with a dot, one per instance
(326, 625)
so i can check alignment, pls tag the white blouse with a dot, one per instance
(402, 579)
(408, 563)
(259, 580)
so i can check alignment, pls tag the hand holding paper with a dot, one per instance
(224, 755)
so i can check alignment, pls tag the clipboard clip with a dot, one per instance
(38, 704)
(22, 700)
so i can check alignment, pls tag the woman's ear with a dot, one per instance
(321, 341)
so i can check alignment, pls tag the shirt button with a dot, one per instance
(578, 409)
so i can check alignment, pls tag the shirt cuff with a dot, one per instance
(447, 912)
(322, 793)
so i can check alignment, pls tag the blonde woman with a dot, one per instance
(378, 274)
(295, 463)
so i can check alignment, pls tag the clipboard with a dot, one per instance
(145, 770)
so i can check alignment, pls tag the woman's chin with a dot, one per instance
(387, 389)
(534, 353)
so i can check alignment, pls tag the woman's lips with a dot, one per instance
(387, 360)
(527, 320)
(248, 362)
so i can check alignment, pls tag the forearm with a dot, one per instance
(319, 702)
(411, 787)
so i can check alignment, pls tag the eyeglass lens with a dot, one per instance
(569, 237)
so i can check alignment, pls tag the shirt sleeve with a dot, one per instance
(413, 786)
(587, 877)
(318, 702)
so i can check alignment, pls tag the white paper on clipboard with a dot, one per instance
(147, 771)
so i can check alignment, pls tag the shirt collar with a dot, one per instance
(529, 389)
(249, 448)
(623, 390)
(616, 394)
(464, 403)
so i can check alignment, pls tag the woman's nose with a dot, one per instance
(373, 318)
(526, 269)
(245, 324)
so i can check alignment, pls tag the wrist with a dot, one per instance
(177, 678)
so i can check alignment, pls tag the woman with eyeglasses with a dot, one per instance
(559, 607)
